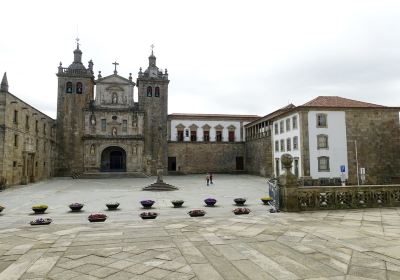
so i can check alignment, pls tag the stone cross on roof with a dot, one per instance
(115, 67)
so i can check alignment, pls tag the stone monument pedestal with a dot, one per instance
(288, 186)
(160, 185)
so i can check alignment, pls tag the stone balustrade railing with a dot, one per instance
(347, 197)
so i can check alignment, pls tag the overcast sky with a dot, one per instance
(233, 57)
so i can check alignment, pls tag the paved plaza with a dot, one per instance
(354, 244)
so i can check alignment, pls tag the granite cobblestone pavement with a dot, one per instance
(352, 244)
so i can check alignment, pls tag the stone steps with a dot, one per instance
(112, 175)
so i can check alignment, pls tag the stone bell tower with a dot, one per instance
(153, 101)
(75, 91)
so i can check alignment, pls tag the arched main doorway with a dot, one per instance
(113, 159)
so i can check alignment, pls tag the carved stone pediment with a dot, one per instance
(193, 127)
(231, 127)
(180, 126)
(219, 127)
(206, 127)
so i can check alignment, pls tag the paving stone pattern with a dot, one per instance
(354, 244)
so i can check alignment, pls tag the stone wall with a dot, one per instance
(258, 159)
(378, 144)
(28, 142)
(195, 157)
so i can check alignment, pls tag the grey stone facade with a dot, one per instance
(200, 157)
(27, 140)
(258, 160)
(378, 144)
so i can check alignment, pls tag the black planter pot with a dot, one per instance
(97, 220)
(266, 201)
(112, 206)
(210, 202)
(147, 204)
(39, 210)
(239, 201)
(148, 216)
(177, 204)
(76, 207)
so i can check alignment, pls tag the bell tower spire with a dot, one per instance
(77, 53)
(4, 83)
(152, 58)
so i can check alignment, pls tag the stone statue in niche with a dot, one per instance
(92, 149)
(92, 120)
(114, 131)
(114, 98)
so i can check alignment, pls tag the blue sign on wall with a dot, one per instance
(343, 168)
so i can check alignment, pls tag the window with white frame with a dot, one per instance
(276, 128)
(322, 141)
(282, 145)
(295, 143)
(322, 120)
(288, 144)
(281, 127)
(276, 146)
(288, 124)
(294, 122)
(323, 164)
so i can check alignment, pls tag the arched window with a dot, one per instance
(114, 98)
(79, 87)
(157, 92)
(149, 91)
(68, 88)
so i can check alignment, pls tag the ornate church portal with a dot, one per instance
(113, 159)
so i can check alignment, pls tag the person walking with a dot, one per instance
(208, 179)
(211, 178)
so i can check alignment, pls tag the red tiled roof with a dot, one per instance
(339, 102)
(274, 114)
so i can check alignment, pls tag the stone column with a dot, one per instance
(288, 185)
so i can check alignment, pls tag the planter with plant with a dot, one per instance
(147, 204)
(241, 211)
(239, 201)
(210, 201)
(112, 206)
(39, 208)
(266, 200)
(197, 213)
(76, 207)
(41, 221)
(177, 203)
(97, 217)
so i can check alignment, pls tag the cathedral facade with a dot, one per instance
(110, 131)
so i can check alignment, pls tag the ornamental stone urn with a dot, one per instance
(288, 186)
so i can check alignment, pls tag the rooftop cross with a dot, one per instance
(77, 42)
(115, 65)
(152, 48)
